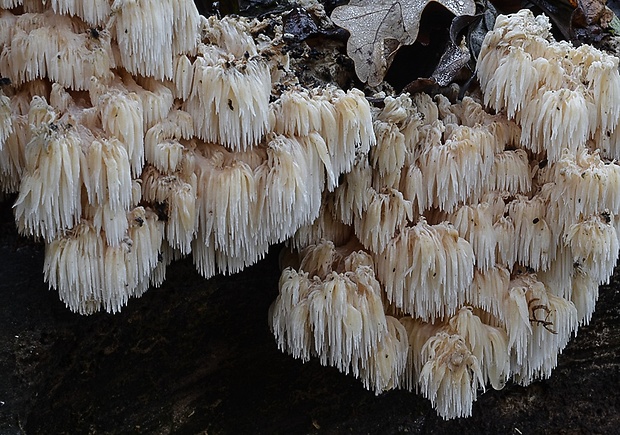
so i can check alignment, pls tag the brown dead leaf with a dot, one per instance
(379, 28)
(592, 12)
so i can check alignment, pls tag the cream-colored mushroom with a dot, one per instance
(339, 318)
(146, 34)
(6, 122)
(423, 210)
(55, 47)
(450, 376)
(556, 92)
(426, 269)
(52, 161)
(89, 274)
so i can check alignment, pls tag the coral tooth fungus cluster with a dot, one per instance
(432, 246)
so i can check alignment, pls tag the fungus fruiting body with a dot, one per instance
(139, 115)
(429, 246)
(487, 233)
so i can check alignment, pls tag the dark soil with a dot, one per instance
(197, 356)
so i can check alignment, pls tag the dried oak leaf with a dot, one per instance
(379, 28)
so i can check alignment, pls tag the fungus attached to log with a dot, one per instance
(433, 246)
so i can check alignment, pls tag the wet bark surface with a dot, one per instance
(197, 356)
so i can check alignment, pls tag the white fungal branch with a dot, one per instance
(111, 106)
(339, 317)
(560, 95)
(494, 229)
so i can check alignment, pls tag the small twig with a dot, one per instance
(545, 323)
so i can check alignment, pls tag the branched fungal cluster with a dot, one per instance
(154, 137)
(432, 246)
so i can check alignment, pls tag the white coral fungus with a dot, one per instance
(440, 248)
